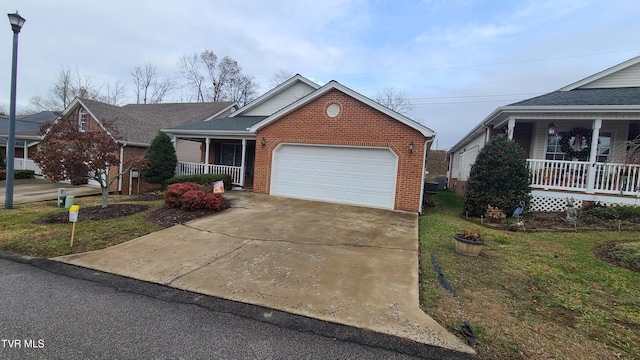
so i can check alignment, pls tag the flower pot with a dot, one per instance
(467, 247)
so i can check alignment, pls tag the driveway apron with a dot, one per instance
(351, 265)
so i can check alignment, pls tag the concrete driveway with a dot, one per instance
(33, 190)
(345, 264)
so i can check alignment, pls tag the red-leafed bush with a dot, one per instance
(215, 202)
(173, 194)
(193, 200)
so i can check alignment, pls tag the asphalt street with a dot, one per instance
(51, 310)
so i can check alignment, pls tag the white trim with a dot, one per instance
(425, 131)
(601, 74)
(273, 92)
(230, 107)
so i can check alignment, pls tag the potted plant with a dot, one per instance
(470, 242)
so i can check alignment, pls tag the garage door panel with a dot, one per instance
(360, 176)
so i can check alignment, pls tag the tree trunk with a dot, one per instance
(105, 196)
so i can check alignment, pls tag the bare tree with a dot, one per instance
(69, 86)
(149, 88)
(242, 90)
(189, 69)
(395, 100)
(114, 95)
(279, 77)
(212, 79)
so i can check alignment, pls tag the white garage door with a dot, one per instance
(358, 176)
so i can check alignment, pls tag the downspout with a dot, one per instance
(424, 175)
(121, 168)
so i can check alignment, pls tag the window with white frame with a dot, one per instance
(83, 123)
(554, 150)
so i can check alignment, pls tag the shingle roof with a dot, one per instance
(27, 125)
(596, 96)
(141, 122)
(238, 123)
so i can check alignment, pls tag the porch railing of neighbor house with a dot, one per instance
(26, 164)
(188, 168)
(605, 178)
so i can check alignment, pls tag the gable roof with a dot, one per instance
(275, 91)
(337, 86)
(139, 123)
(597, 76)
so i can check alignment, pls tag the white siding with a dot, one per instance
(629, 77)
(281, 100)
(188, 151)
(465, 157)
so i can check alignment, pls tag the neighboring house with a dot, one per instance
(307, 141)
(575, 139)
(27, 129)
(134, 126)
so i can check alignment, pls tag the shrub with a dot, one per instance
(174, 192)
(193, 200)
(202, 179)
(215, 202)
(499, 177)
(17, 174)
(23, 174)
(161, 160)
(615, 212)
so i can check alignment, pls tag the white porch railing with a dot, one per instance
(188, 168)
(604, 178)
(26, 164)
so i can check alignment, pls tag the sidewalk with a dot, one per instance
(34, 190)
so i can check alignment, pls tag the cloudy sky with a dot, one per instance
(456, 60)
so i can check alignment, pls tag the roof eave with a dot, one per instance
(425, 131)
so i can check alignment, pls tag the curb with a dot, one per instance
(249, 311)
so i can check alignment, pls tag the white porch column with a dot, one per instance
(593, 156)
(25, 155)
(512, 125)
(242, 165)
(207, 144)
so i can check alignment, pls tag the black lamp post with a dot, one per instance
(16, 24)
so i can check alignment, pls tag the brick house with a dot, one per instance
(134, 126)
(326, 143)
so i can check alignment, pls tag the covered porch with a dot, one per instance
(233, 157)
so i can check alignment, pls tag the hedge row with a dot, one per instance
(18, 174)
(201, 179)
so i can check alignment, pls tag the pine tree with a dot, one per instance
(161, 160)
(499, 177)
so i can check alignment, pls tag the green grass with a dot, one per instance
(532, 294)
(20, 235)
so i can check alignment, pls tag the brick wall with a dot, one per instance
(132, 155)
(357, 124)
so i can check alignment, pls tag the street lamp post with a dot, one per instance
(16, 24)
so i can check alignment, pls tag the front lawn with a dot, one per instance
(531, 295)
(19, 233)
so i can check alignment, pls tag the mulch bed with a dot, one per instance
(94, 213)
